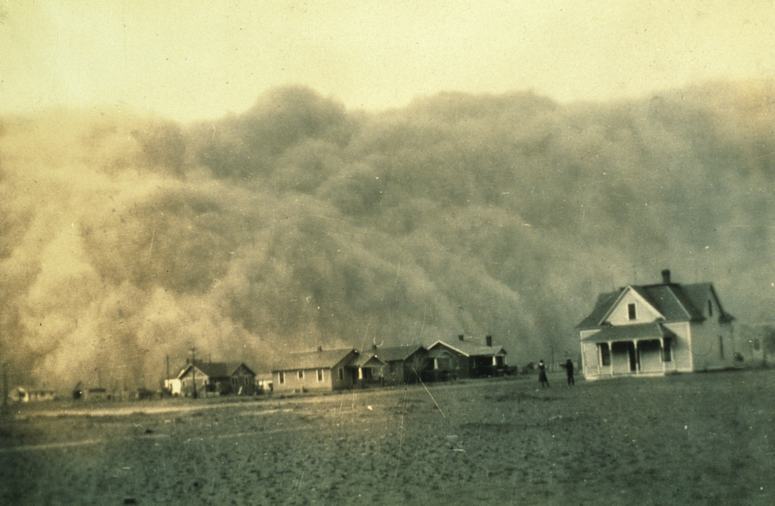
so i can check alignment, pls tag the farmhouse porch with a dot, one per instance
(631, 350)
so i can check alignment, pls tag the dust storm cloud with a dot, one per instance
(297, 222)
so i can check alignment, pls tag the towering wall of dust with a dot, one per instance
(297, 222)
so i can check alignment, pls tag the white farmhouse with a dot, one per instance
(647, 330)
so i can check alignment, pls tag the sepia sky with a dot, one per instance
(195, 60)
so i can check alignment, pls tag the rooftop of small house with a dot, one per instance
(317, 359)
(471, 347)
(215, 369)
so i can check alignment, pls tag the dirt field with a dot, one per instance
(689, 439)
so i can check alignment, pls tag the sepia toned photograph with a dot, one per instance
(434, 252)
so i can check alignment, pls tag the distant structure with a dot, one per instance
(465, 358)
(216, 378)
(647, 330)
(318, 370)
(22, 394)
(403, 364)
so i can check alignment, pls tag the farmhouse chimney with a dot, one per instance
(666, 276)
(461, 337)
(488, 340)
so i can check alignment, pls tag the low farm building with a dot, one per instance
(318, 370)
(403, 364)
(647, 330)
(465, 358)
(367, 368)
(217, 378)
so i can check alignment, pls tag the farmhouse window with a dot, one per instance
(710, 308)
(667, 353)
(605, 354)
(282, 377)
(756, 344)
(721, 346)
(631, 314)
(320, 375)
(341, 374)
(301, 375)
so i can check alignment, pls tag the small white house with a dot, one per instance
(647, 330)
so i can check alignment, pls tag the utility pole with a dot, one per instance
(168, 368)
(193, 369)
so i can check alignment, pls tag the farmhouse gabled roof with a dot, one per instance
(676, 302)
(396, 353)
(470, 349)
(319, 359)
(635, 332)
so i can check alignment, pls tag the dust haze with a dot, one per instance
(124, 239)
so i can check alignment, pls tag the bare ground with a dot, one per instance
(689, 439)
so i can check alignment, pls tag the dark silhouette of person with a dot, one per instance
(569, 372)
(542, 379)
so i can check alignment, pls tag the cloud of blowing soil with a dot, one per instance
(297, 223)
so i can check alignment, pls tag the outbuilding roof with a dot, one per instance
(470, 349)
(216, 369)
(396, 353)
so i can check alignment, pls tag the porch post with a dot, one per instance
(599, 357)
(662, 353)
(637, 356)
(611, 358)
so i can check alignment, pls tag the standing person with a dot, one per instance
(569, 372)
(542, 379)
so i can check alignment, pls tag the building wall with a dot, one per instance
(400, 371)
(590, 364)
(444, 363)
(681, 347)
(345, 379)
(620, 358)
(415, 365)
(307, 383)
(395, 372)
(187, 384)
(650, 354)
(243, 382)
(713, 346)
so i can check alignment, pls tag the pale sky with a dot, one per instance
(202, 59)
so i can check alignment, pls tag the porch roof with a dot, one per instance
(637, 332)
